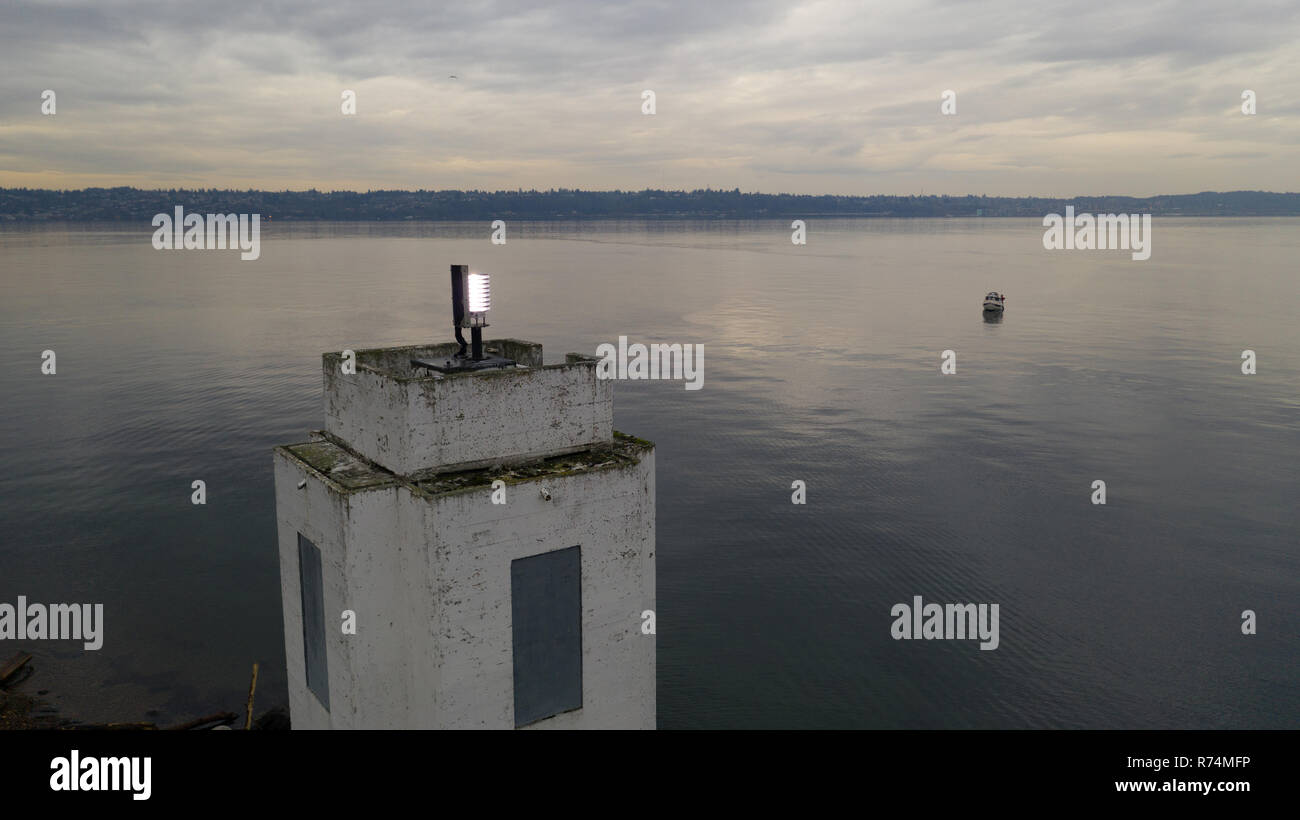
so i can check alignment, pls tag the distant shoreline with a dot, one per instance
(29, 205)
(100, 222)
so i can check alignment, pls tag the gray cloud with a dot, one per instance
(837, 96)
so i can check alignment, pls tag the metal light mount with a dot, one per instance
(471, 299)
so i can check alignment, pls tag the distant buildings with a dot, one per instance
(133, 204)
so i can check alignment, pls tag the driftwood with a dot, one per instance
(218, 719)
(252, 687)
(11, 666)
(77, 727)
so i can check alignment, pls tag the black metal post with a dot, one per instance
(458, 303)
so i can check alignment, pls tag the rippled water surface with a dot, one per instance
(821, 365)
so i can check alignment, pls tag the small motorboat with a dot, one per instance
(995, 302)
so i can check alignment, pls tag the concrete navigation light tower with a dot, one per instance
(476, 517)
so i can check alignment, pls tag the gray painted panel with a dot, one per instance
(546, 621)
(313, 619)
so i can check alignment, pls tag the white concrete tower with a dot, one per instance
(469, 612)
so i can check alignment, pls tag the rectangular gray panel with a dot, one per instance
(546, 613)
(313, 620)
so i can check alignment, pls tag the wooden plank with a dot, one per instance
(11, 666)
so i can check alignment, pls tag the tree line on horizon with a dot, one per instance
(132, 204)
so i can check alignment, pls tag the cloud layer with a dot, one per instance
(814, 97)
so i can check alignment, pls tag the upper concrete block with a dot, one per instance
(412, 422)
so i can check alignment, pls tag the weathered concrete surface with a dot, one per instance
(609, 512)
(407, 420)
(427, 572)
(411, 541)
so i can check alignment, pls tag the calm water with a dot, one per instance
(822, 364)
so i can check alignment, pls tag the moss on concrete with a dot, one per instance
(351, 473)
(633, 440)
(340, 466)
(624, 451)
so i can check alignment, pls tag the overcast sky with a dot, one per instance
(1055, 99)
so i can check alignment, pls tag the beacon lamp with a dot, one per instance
(471, 299)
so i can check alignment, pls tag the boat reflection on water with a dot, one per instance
(993, 317)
